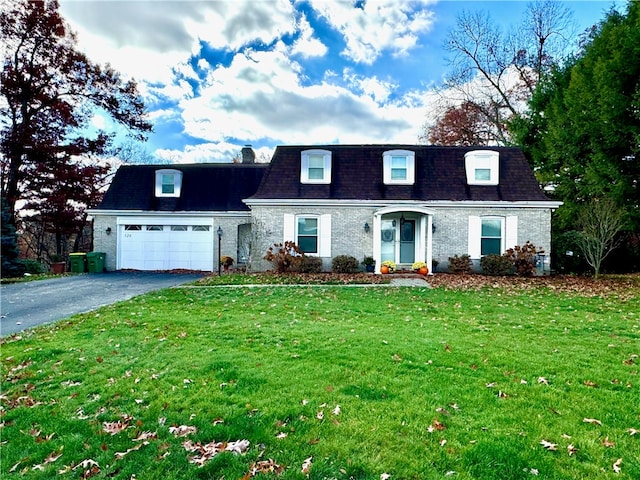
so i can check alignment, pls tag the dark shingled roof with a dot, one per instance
(205, 187)
(357, 174)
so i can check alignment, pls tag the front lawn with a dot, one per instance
(328, 382)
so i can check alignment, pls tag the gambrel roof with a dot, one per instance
(205, 187)
(357, 174)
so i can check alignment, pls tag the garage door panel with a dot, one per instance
(166, 249)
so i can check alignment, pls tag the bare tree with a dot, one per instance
(497, 71)
(600, 221)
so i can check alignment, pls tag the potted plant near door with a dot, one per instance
(58, 265)
(420, 267)
(226, 261)
(369, 264)
(388, 266)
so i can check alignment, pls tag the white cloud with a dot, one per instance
(308, 45)
(222, 152)
(376, 26)
(378, 90)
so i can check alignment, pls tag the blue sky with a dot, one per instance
(217, 75)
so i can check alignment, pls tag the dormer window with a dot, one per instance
(168, 183)
(399, 167)
(482, 167)
(315, 166)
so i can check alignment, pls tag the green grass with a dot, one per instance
(430, 384)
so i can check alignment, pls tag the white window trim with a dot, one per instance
(290, 232)
(177, 182)
(304, 166)
(386, 162)
(482, 159)
(509, 233)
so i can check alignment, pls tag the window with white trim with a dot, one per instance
(311, 232)
(315, 166)
(168, 183)
(482, 167)
(307, 234)
(399, 167)
(491, 236)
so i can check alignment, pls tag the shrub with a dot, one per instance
(460, 264)
(310, 264)
(523, 258)
(344, 264)
(496, 265)
(33, 267)
(284, 256)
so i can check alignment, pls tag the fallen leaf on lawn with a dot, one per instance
(592, 421)
(548, 445)
(572, 450)
(306, 465)
(608, 443)
(396, 357)
(208, 451)
(336, 411)
(121, 455)
(501, 394)
(543, 380)
(565, 436)
(264, 466)
(304, 401)
(443, 442)
(114, 427)
(616, 465)
(320, 415)
(490, 385)
(182, 430)
(282, 435)
(437, 425)
(217, 421)
(146, 436)
(385, 476)
(589, 383)
(633, 431)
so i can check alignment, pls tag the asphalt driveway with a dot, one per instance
(29, 304)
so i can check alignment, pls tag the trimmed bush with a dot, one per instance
(460, 264)
(310, 264)
(344, 264)
(496, 265)
(33, 266)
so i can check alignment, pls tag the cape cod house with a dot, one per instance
(404, 203)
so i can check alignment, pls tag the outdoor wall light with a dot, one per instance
(433, 228)
(108, 230)
(366, 227)
(219, 232)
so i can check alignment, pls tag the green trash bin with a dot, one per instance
(95, 262)
(78, 262)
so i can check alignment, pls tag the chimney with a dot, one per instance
(248, 155)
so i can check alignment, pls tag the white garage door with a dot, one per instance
(156, 246)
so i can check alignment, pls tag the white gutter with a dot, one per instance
(392, 203)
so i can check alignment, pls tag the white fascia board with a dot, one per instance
(386, 203)
(181, 213)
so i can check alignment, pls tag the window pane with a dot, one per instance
(316, 173)
(307, 226)
(154, 228)
(492, 228)
(168, 183)
(316, 167)
(200, 228)
(490, 245)
(398, 174)
(399, 162)
(133, 227)
(483, 174)
(178, 228)
(308, 244)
